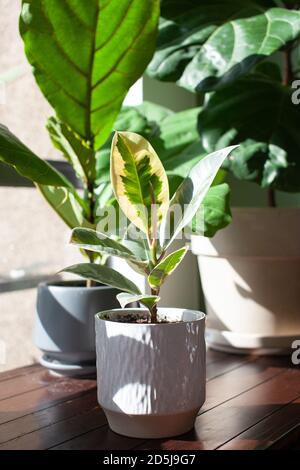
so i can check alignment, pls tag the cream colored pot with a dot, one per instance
(250, 274)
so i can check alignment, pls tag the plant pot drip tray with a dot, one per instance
(239, 343)
(66, 369)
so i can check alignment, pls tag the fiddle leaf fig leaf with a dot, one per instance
(147, 300)
(139, 181)
(190, 194)
(248, 41)
(86, 55)
(163, 269)
(74, 148)
(14, 153)
(204, 45)
(258, 113)
(104, 275)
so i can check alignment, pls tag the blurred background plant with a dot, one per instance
(240, 57)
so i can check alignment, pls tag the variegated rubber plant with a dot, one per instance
(141, 188)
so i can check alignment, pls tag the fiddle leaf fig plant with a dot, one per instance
(141, 188)
(85, 55)
(242, 58)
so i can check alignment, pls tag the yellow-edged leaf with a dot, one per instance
(139, 181)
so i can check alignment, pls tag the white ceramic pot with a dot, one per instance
(151, 377)
(250, 274)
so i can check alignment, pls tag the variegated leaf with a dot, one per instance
(139, 181)
(104, 275)
(91, 240)
(147, 300)
(163, 269)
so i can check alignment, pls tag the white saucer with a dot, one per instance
(238, 343)
(71, 370)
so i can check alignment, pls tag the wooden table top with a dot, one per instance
(252, 403)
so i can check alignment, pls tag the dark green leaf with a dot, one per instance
(259, 114)
(204, 46)
(15, 153)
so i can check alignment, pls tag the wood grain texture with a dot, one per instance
(252, 403)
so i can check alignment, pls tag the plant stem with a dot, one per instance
(287, 80)
(91, 256)
(271, 197)
(288, 69)
(153, 311)
(91, 201)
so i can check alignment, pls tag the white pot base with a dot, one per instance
(238, 343)
(151, 426)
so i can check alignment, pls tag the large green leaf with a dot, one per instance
(91, 240)
(190, 194)
(76, 151)
(259, 114)
(16, 154)
(205, 44)
(66, 205)
(163, 269)
(147, 300)
(139, 181)
(104, 275)
(87, 54)
(214, 213)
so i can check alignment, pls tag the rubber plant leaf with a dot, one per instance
(147, 300)
(190, 194)
(139, 181)
(163, 269)
(91, 240)
(104, 275)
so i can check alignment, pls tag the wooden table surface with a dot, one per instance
(252, 403)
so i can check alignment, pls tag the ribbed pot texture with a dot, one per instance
(151, 377)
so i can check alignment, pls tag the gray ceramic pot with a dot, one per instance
(64, 328)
